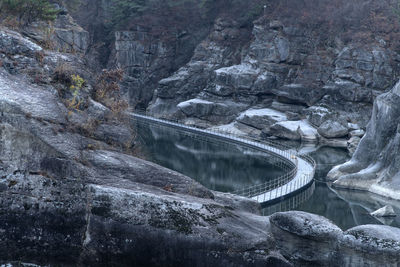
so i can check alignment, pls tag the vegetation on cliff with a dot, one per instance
(24, 12)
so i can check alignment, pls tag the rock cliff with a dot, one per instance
(303, 59)
(321, 64)
(374, 166)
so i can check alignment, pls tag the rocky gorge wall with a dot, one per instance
(71, 193)
(302, 71)
(309, 71)
(375, 165)
(153, 44)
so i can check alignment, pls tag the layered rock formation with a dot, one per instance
(208, 63)
(374, 166)
(291, 66)
(71, 196)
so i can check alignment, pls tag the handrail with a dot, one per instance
(286, 183)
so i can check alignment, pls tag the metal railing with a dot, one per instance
(259, 189)
(289, 203)
(283, 185)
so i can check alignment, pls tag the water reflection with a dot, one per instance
(346, 208)
(226, 167)
(217, 165)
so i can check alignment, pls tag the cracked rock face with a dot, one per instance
(291, 66)
(374, 166)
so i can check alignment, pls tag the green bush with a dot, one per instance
(27, 11)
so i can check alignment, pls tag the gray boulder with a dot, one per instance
(317, 115)
(332, 129)
(69, 36)
(298, 93)
(316, 236)
(293, 130)
(311, 240)
(13, 43)
(371, 245)
(64, 35)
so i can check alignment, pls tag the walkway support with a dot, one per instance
(301, 167)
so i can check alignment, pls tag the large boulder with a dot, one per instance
(332, 129)
(311, 240)
(317, 115)
(293, 130)
(371, 245)
(232, 79)
(64, 35)
(305, 238)
(69, 36)
(12, 43)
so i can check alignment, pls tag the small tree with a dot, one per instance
(27, 11)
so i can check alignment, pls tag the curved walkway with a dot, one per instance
(300, 175)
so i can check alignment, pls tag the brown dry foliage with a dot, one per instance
(356, 20)
(107, 90)
(63, 73)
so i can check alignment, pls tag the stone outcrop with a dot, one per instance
(310, 240)
(63, 35)
(211, 54)
(374, 166)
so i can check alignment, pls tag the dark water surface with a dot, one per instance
(216, 165)
(225, 167)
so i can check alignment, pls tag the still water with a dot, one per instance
(226, 167)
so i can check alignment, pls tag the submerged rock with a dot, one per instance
(386, 211)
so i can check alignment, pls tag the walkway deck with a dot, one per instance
(300, 175)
